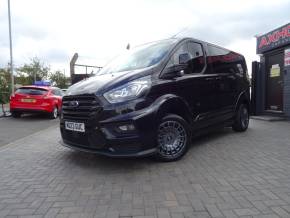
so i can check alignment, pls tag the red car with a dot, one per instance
(31, 99)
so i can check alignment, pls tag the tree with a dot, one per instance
(5, 76)
(36, 70)
(22, 79)
(58, 79)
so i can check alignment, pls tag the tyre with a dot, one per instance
(242, 118)
(16, 114)
(54, 113)
(173, 138)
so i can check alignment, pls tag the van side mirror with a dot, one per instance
(174, 71)
(184, 58)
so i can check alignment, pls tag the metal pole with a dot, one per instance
(11, 54)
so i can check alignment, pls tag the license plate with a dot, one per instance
(30, 100)
(78, 127)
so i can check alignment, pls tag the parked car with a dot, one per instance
(36, 99)
(153, 99)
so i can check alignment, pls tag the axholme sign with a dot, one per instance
(273, 39)
(271, 76)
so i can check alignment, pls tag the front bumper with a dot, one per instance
(102, 135)
(109, 152)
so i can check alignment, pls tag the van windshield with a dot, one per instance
(139, 57)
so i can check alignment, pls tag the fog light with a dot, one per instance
(127, 127)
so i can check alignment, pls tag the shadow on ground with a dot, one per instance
(95, 161)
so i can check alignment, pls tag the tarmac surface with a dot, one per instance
(12, 129)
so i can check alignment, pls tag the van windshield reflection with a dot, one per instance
(139, 57)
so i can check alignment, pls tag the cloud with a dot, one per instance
(54, 30)
(56, 55)
(225, 27)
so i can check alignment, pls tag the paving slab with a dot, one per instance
(224, 174)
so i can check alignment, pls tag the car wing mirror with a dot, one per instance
(174, 71)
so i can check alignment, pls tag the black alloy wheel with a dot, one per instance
(242, 119)
(173, 138)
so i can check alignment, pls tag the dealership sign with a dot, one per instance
(273, 39)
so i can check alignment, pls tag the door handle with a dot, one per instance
(218, 78)
(209, 78)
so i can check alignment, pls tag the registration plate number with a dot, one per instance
(28, 100)
(78, 127)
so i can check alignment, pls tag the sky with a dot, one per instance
(98, 30)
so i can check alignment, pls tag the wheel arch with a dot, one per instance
(244, 98)
(172, 104)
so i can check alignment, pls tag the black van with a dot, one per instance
(154, 98)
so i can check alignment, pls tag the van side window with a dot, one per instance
(191, 54)
(222, 60)
(216, 51)
(197, 62)
(174, 60)
(217, 58)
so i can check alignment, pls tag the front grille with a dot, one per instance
(87, 108)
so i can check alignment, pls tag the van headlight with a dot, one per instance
(129, 91)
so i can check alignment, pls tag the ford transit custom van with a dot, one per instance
(152, 99)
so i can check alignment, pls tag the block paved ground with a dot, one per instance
(225, 174)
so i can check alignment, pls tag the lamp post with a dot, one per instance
(11, 54)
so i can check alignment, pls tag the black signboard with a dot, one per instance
(274, 39)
